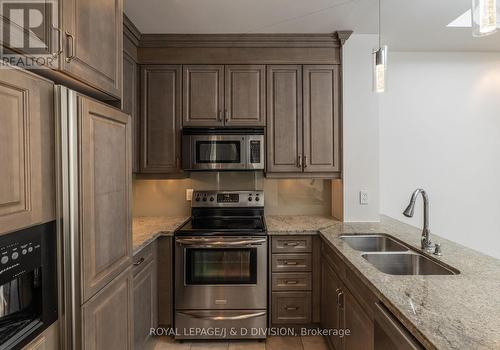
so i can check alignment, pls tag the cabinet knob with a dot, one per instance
(71, 39)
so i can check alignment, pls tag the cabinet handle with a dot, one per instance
(138, 262)
(286, 262)
(291, 244)
(291, 282)
(71, 38)
(226, 114)
(305, 161)
(59, 42)
(220, 115)
(340, 299)
(291, 308)
(299, 161)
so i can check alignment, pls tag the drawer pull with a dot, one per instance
(286, 262)
(291, 282)
(138, 262)
(291, 244)
(291, 308)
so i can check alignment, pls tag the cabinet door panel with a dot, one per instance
(203, 95)
(330, 312)
(105, 181)
(160, 119)
(27, 187)
(245, 95)
(360, 324)
(284, 122)
(130, 104)
(107, 317)
(94, 42)
(321, 118)
(145, 305)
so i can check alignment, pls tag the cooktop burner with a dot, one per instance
(225, 213)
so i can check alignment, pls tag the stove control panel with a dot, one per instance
(227, 199)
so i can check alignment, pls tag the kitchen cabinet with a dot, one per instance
(105, 194)
(130, 104)
(107, 316)
(161, 119)
(284, 119)
(165, 281)
(27, 151)
(303, 127)
(218, 96)
(145, 296)
(93, 43)
(245, 95)
(203, 95)
(330, 312)
(356, 320)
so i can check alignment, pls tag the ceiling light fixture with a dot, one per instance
(484, 17)
(380, 59)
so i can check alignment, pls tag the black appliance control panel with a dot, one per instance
(217, 199)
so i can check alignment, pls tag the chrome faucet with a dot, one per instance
(426, 243)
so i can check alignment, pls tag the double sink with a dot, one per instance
(393, 257)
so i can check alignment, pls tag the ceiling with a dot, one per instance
(406, 24)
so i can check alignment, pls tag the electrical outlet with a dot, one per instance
(363, 197)
(189, 194)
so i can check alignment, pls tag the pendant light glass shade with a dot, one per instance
(380, 69)
(484, 17)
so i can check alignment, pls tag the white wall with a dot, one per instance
(440, 130)
(360, 130)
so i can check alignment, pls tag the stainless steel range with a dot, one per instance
(221, 267)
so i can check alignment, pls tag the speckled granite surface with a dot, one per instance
(297, 224)
(146, 229)
(443, 312)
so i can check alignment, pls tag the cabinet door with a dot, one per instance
(107, 317)
(105, 193)
(145, 305)
(94, 42)
(203, 95)
(330, 312)
(130, 104)
(27, 187)
(160, 119)
(284, 118)
(245, 100)
(360, 324)
(165, 281)
(321, 119)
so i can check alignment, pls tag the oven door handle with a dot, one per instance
(223, 318)
(219, 243)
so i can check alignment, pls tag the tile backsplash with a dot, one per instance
(283, 197)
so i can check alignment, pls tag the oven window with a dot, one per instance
(20, 305)
(218, 152)
(221, 266)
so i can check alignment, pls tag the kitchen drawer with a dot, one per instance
(292, 244)
(291, 262)
(143, 257)
(292, 281)
(291, 307)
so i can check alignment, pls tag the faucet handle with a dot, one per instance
(437, 249)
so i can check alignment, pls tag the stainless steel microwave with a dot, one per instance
(222, 149)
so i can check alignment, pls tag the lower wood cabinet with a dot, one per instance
(107, 317)
(165, 281)
(27, 150)
(145, 296)
(330, 312)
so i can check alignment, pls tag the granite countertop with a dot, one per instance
(444, 312)
(145, 229)
(297, 224)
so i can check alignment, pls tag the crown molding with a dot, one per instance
(131, 31)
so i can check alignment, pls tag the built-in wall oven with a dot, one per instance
(28, 284)
(221, 267)
(223, 149)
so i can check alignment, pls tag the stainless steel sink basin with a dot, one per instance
(373, 243)
(407, 264)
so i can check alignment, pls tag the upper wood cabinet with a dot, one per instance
(245, 95)
(27, 186)
(216, 96)
(284, 121)
(105, 194)
(161, 119)
(303, 126)
(203, 95)
(321, 119)
(130, 104)
(93, 43)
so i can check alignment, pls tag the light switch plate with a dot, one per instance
(363, 197)
(189, 194)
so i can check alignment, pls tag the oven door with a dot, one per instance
(218, 152)
(221, 273)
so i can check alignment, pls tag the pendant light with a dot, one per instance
(380, 59)
(484, 17)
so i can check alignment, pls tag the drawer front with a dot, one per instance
(292, 244)
(291, 307)
(291, 262)
(292, 281)
(143, 257)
